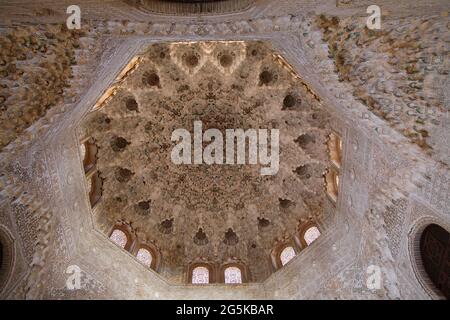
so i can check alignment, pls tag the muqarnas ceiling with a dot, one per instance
(214, 213)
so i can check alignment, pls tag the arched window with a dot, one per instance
(145, 257)
(311, 234)
(233, 275)
(119, 237)
(435, 253)
(200, 275)
(287, 255)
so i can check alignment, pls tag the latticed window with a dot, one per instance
(119, 237)
(200, 275)
(145, 257)
(286, 255)
(233, 275)
(311, 234)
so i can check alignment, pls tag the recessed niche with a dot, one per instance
(89, 154)
(95, 188)
(305, 140)
(191, 60)
(332, 183)
(200, 238)
(265, 77)
(6, 256)
(285, 203)
(166, 226)
(123, 174)
(263, 223)
(335, 149)
(118, 144)
(131, 104)
(434, 248)
(226, 60)
(289, 102)
(144, 207)
(231, 238)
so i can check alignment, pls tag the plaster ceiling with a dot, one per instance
(214, 213)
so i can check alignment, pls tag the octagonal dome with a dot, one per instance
(200, 213)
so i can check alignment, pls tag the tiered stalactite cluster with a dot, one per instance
(35, 67)
(400, 72)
